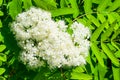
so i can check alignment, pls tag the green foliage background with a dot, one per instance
(101, 16)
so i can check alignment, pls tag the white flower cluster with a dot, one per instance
(44, 41)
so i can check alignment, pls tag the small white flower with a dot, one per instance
(44, 40)
(61, 25)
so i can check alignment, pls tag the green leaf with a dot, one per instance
(2, 78)
(96, 77)
(110, 54)
(3, 57)
(1, 1)
(117, 54)
(93, 20)
(75, 7)
(83, 21)
(0, 63)
(15, 7)
(116, 72)
(97, 1)
(108, 32)
(90, 62)
(102, 72)
(116, 33)
(1, 38)
(89, 23)
(11, 61)
(1, 13)
(2, 70)
(114, 6)
(0, 24)
(97, 53)
(62, 3)
(101, 7)
(111, 47)
(97, 32)
(62, 11)
(116, 15)
(2, 47)
(42, 75)
(101, 17)
(82, 76)
(88, 6)
(27, 4)
(78, 69)
(46, 4)
(111, 18)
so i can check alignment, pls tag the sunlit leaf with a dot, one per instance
(1, 38)
(75, 7)
(27, 4)
(116, 72)
(62, 3)
(1, 1)
(2, 70)
(15, 8)
(0, 24)
(89, 61)
(113, 37)
(1, 13)
(110, 54)
(88, 6)
(117, 54)
(102, 71)
(101, 17)
(97, 53)
(108, 32)
(0, 63)
(82, 76)
(96, 77)
(111, 19)
(46, 4)
(114, 6)
(2, 47)
(62, 11)
(78, 69)
(2, 78)
(97, 32)
(93, 20)
(97, 1)
(103, 5)
(3, 57)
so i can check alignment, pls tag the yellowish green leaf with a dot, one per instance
(93, 20)
(108, 32)
(62, 11)
(2, 70)
(3, 57)
(116, 72)
(97, 53)
(0, 24)
(75, 7)
(1, 13)
(27, 4)
(88, 6)
(81, 76)
(109, 53)
(15, 7)
(97, 32)
(2, 47)
(1, 1)
(101, 7)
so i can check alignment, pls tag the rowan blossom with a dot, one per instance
(42, 40)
